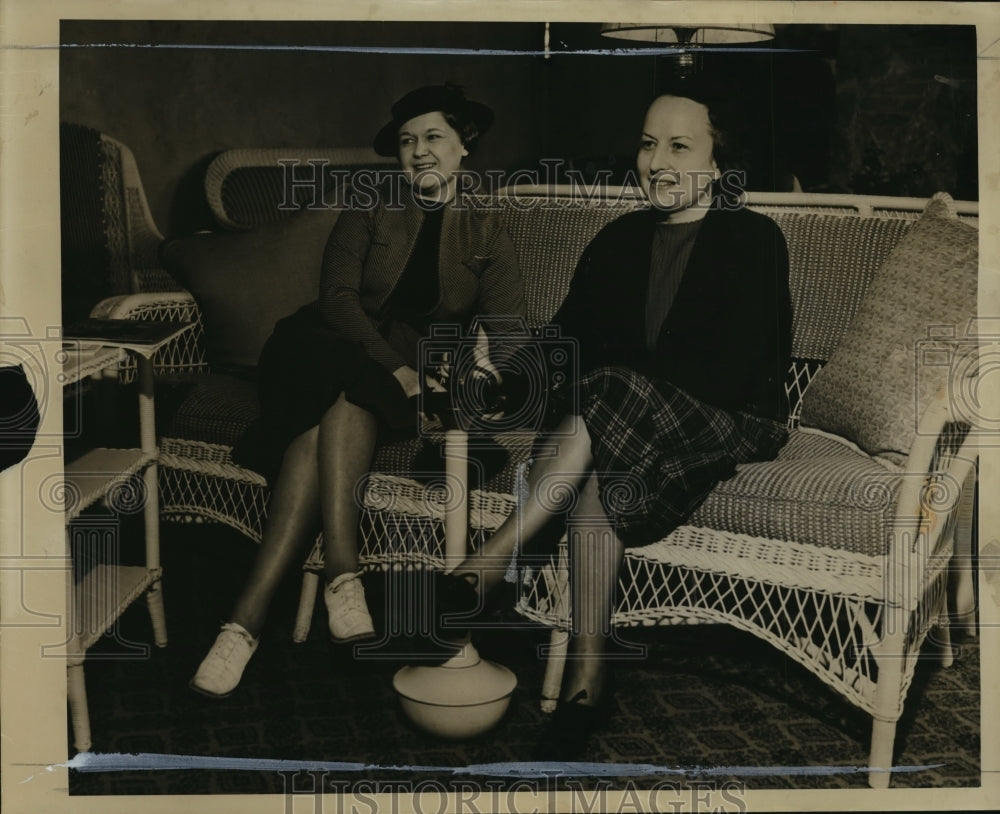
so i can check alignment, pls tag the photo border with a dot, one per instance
(33, 728)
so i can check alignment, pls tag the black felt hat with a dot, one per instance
(445, 98)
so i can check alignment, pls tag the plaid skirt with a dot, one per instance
(658, 452)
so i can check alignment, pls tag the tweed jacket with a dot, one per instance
(727, 337)
(368, 250)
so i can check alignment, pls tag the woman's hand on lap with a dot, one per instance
(408, 379)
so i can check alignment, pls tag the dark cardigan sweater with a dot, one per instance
(727, 337)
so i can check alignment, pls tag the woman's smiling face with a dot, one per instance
(675, 162)
(430, 152)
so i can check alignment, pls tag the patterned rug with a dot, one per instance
(709, 700)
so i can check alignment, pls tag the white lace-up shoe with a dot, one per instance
(222, 669)
(345, 602)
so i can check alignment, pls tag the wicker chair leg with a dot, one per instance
(943, 638)
(962, 574)
(307, 601)
(78, 712)
(965, 601)
(880, 759)
(891, 654)
(158, 617)
(554, 666)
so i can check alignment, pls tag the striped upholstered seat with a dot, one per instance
(820, 491)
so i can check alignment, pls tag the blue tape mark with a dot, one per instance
(91, 762)
(521, 497)
(429, 51)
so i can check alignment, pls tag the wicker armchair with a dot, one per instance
(109, 239)
(244, 188)
(105, 215)
(855, 620)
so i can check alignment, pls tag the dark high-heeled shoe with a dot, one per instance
(569, 731)
(454, 600)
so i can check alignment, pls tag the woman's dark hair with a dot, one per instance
(724, 148)
(726, 128)
(465, 126)
(723, 117)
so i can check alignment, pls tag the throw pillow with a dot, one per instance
(245, 282)
(888, 366)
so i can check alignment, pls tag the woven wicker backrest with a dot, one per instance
(833, 256)
(89, 270)
(109, 240)
(549, 241)
(116, 223)
(246, 188)
(832, 259)
(134, 230)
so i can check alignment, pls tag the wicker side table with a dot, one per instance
(107, 589)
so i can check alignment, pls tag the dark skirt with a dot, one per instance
(658, 452)
(304, 367)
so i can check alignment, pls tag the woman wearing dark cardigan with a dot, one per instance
(344, 368)
(683, 319)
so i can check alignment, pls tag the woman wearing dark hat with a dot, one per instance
(343, 369)
(682, 316)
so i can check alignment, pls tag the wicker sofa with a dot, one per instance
(853, 601)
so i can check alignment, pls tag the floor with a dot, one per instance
(713, 702)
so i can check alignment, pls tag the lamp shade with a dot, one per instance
(720, 34)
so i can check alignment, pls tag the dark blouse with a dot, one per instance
(417, 293)
(672, 244)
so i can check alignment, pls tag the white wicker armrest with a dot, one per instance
(186, 353)
(138, 306)
(936, 472)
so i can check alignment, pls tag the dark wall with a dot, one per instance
(847, 109)
(906, 111)
(178, 93)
